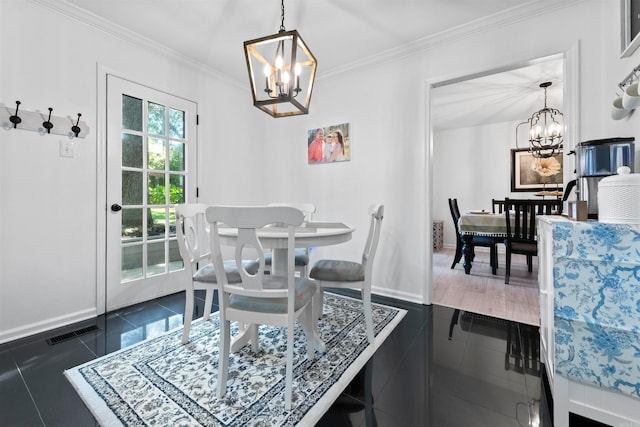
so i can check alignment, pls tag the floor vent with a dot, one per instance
(70, 335)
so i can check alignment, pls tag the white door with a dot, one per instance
(151, 167)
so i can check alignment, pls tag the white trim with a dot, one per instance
(470, 29)
(503, 18)
(571, 105)
(46, 325)
(394, 293)
(82, 16)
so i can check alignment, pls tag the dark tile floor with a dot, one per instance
(440, 367)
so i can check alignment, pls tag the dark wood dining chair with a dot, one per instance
(484, 241)
(497, 206)
(521, 234)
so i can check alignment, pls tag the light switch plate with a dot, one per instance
(66, 148)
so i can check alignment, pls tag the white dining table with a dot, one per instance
(309, 234)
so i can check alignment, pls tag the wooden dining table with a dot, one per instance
(480, 223)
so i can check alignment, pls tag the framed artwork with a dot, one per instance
(629, 26)
(329, 144)
(529, 173)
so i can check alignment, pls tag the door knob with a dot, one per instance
(116, 207)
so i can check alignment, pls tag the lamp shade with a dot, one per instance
(281, 71)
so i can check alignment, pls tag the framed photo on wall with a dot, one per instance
(529, 173)
(629, 26)
(329, 144)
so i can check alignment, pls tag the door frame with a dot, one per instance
(571, 106)
(102, 204)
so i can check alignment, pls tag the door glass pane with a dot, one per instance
(131, 263)
(131, 225)
(175, 260)
(156, 223)
(156, 153)
(155, 258)
(131, 113)
(132, 150)
(172, 222)
(176, 156)
(177, 188)
(156, 120)
(176, 123)
(131, 188)
(157, 189)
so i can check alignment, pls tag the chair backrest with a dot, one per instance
(371, 246)
(455, 213)
(192, 231)
(248, 220)
(548, 207)
(497, 206)
(308, 209)
(524, 212)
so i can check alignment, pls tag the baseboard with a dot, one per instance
(46, 325)
(391, 293)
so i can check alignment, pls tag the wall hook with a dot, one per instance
(15, 119)
(48, 125)
(75, 128)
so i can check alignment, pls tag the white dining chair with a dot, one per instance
(192, 232)
(329, 273)
(302, 254)
(259, 298)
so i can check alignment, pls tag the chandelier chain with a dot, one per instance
(282, 16)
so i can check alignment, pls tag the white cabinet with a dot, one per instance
(589, 278)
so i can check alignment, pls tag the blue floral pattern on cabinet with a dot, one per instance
(596, 279)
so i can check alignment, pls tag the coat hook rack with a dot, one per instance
(48, 125)
(15, 119)
(42, 122)
(75, 128)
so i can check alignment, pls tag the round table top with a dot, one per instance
(313, 233)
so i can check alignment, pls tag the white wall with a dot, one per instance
(48, 252)
(51, 239)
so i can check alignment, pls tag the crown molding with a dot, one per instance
(87, 18)
(507, 17)
(504, 18)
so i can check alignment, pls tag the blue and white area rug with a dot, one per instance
(161, 382)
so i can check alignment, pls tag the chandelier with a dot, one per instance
(281, 71)
(546, 129)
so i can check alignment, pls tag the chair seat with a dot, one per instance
(301, 258)
(207, 274)
(305, 290)
(337, 271)
(486, 240)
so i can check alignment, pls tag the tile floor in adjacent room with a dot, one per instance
(440, 367)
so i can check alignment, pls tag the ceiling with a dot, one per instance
(342, 34)
(500, 96)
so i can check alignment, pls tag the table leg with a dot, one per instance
(279, 267)
(249, 333)
(467, 250)
(279, 262)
